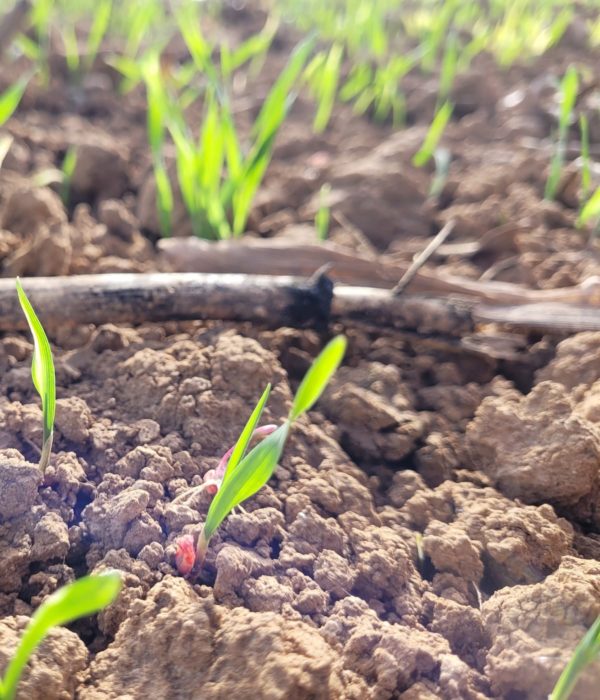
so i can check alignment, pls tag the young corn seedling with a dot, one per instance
(323, 77)
(10, 98)
(246, 474)
(100, 20)
(218, 180)
(83, 597)
(158, 105)
(568, 94)
(586, 652)
(67, 170)
(42, 372)
(323, 215)
(433, 136)
(586, 170)
(185, 554)
(590, 212)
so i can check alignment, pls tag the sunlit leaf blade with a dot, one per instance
(250, 475)
(10, 98)
(241, 445)
(568, 89)
(83, 597)
(591, 209)
(42, 369)
(585, 653)
(327, 87)
(102, 14)
(434, 134)
(317, 377)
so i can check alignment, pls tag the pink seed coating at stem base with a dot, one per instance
(185, 555)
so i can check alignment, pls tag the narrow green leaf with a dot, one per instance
(317, 377)
(71, 46)
(276, 104)
(10, 98)
(243, 441)
(83, 597)
(568, 94)
(327, 87)
(42, 372)
(586, 174)
(323, 215)
(433, 135)
(164, 197)
(249, 476)
(102, 14)
(585, 653)
(591, 209)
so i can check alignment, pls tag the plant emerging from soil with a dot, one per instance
(245, 474)
(42, 372)
(218, 178)
(433, 135)
(83, 597)
(568, 94)
(587, 651)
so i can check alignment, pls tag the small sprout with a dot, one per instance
(83, 597)
(585, 653)
(590, 210)
(10, 98)
(586, 171)
(433, 135)
(323, 215)
(214, 477)
(246, 475)
(568, 95)
(67, 169)
(42, 372)
(185, 554)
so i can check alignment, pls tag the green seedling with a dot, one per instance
(99, 26)
(433, 136)
(218, 179)
(10, 98)
(67, 169)
(323, 215)
(323, 77)
(568, 95)
(449, 67)
(590, 212)
(586, 171)
(158, 104)
(42, 372)
(586, 652)
(83, 597)
(246, 474)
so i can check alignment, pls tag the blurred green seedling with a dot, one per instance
(323, 215)
(42, 372)
(586, 652)
(569, 86)
(10, 98)
(83, 597)
(217, 177)
(247, 473)
(433, 135)
(586, 170)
